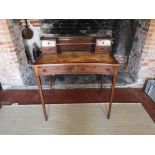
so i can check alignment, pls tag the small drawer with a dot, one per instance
(48, 43)
(47, 70)
(49, 50)
(103, 42)
(96, 69)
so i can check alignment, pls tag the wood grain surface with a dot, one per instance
(76, 57)
(61, 96)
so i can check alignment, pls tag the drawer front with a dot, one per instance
(103, 42)
(75, 40)
(96, 69)
(69, 69)
(49, 50)
(102, 49)
(74, 48)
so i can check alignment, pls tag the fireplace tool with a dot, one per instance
(27, 33)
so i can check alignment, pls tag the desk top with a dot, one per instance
(76, 57)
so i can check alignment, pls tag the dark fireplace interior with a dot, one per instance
(126, 37)
(77, 26)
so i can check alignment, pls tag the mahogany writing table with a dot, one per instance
(75, 63)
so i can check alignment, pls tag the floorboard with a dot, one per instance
(122, 95)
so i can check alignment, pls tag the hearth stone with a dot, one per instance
(123, 78)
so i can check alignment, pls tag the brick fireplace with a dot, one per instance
(133, 47)
(14, 69)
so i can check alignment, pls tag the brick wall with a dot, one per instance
(36, 22)
(32, 22)
(14, 70)
(147, 62)
(137, 49)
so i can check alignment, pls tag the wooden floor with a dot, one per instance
(122, 95)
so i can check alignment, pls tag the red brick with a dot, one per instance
(152, 24)
(149, 40)
(149, 35)
(36, 22)
(152, 21)
(6, 43)
(151, 30)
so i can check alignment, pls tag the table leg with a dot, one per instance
(41, 96)
(112, 92)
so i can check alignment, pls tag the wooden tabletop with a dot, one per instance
(76, 57)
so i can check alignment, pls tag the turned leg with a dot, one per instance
(41, 96)
(112, 91)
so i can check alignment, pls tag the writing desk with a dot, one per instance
(75, 63)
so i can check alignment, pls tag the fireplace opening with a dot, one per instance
(127, 35)
(128, 38)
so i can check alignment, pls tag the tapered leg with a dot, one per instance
(41, 96)
(112, 92)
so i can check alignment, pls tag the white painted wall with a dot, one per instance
(35, 39)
